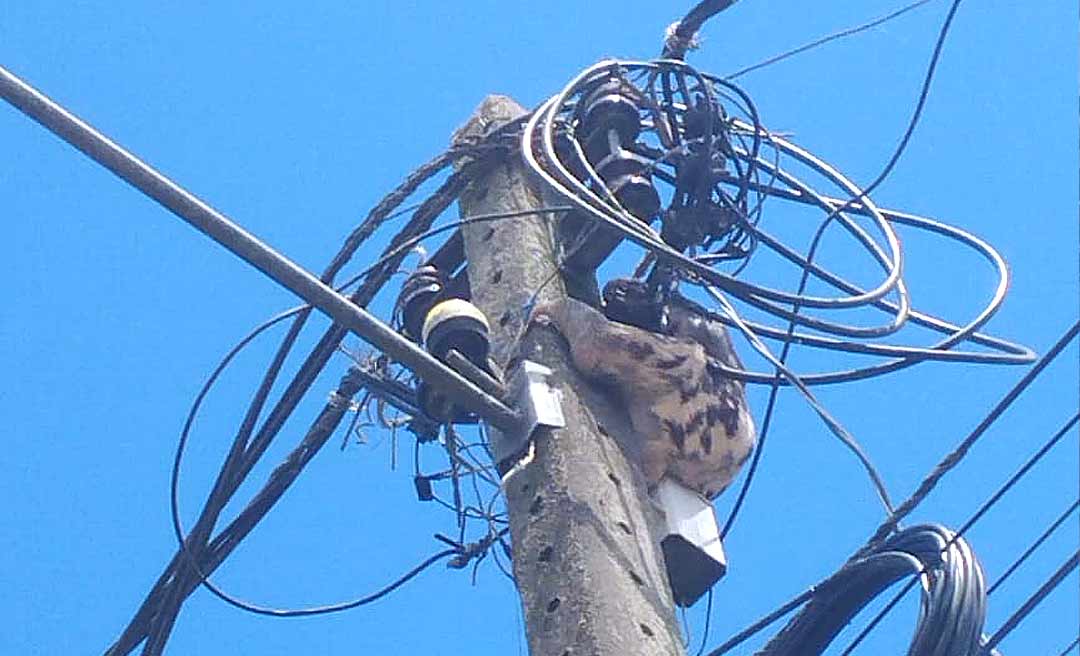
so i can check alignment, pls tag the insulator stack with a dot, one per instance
(418, 295)
(611, 121)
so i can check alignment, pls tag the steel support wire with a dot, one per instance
(244, 245)
(953, 606)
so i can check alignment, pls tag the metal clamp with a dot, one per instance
(540, 404)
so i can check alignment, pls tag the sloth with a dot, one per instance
(691, 418)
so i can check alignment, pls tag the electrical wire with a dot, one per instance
(708, 623)
(1034, 546)
(682, 36)
(850, 31)
(839, 211)
(954, 458)
(156, 615)
(1068, 567)
(1072, 645)
(601, 204)
(949, 463)
(538, 145)
(835, 426)
(924, 94)
(982, 510)
(953, 604)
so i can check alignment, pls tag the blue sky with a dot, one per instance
(294, 119)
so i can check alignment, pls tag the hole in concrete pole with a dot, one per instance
(489, 234)
(646, 630)
(553, 605)
(614, 479)
(545, 554)
(496, 277)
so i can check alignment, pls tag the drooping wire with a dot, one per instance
(156, 616)
(924, 94)
(905, 139)
(774, 390)
(182, 539)
(835, 426)
(598, 204)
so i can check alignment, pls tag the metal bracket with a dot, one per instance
(540, 404)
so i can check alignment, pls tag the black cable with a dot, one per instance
(708, 623)
(682, 36)
(957, 455)
(920, 494)
(1034, 546)
(335, 608)
(1072, 645)
(200, 397)
(975, 517)
(826, 39)
(924, 93)
(1020, 473)
(757, 626)
(1034, 600)
(953, 606)
(752, 469)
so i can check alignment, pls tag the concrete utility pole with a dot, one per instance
(586, 549)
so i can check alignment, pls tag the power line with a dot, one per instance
(1034, 546)
(682, 36)
(957, 455)
(1034, 600)
(826, 39)
(947, 465)
(1072, 645)
(780, 364)
(975, 517)
(982, 510)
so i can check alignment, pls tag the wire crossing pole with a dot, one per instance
(586, 551)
